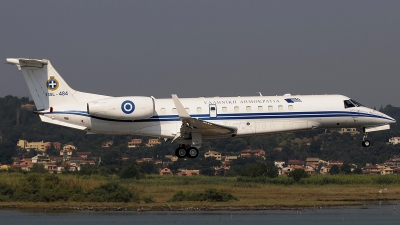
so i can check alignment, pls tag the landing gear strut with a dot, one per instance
(365, 142)
(190, 152)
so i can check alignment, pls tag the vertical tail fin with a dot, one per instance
(47, 87)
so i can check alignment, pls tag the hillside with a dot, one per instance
(327, 145)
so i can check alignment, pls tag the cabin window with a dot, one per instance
(270, 108)
(163, 111)
(290, 107)
(187, 110)
(199, 109)
(66, 118)
(260, 108)
(248, 108)
(236, 108)
(224, 109)
(280, 108)
(174, 110)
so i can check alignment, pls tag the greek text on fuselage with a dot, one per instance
(229, 102)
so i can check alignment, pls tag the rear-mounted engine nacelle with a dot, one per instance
(125, 108)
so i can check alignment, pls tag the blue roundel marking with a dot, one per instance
(128, 107)
(52, 84)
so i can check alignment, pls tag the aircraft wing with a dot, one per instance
(190, 124)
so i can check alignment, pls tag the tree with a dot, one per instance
(334, 170)
(38, 168)
(358, 170)
(66, 169)
(112, 157)
(208, 171)
(52, 150)
(7, 151)
(320, 165)
(259, 169)
(297, 174)
(130, 170)
(87, 169)
(272, 171)
(147, 167)
(345, 168)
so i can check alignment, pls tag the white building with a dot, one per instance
(394, 140)
(279, 164)
(213, 154)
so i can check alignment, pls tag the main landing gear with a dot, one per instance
(365, 142)
(190, 152)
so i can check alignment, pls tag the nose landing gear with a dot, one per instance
(190, 152)
(365, 142)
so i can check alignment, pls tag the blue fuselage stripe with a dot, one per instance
(238, 116)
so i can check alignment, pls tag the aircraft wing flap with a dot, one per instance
(377, 128)
(211, 129)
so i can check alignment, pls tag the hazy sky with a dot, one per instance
(208, 48)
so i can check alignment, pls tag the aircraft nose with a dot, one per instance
(390, 119)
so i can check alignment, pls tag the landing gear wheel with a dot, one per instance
(192, 152)
(180, 152)
(366, 143)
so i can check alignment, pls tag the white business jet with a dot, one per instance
(189, 121)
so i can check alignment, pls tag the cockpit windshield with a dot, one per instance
(356, 103)
(351, 103)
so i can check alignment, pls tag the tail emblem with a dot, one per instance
(52, 84)
(128, 107)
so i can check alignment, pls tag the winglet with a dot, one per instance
(183, 114)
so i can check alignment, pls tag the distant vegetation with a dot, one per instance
(166, 191)
(210, 194)
(35, 187)
(298, 174)
(300, 178)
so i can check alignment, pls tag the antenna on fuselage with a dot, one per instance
(259, 93)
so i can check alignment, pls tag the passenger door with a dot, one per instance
(213, 110)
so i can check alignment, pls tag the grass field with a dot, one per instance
(157, 190)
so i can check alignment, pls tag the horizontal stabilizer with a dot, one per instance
(27, 62)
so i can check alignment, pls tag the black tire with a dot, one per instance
(180, 152)
(366, 143)
(192, 152)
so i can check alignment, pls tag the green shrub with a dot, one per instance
(130, 171)
(112, 192)
(297, 174)
(148, 199)
(211, 195)
(259, 170)
(77, 198)
(6, 192)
